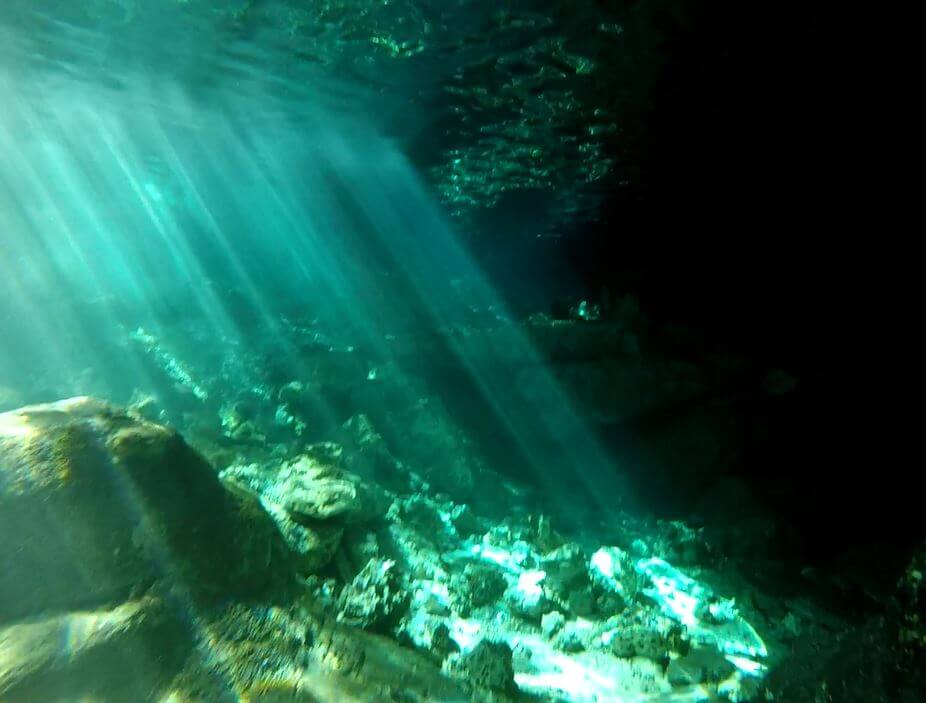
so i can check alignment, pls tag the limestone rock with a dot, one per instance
(526, 598)
(311, 491)
(376, 599)
(312, 503)
(475, 587)
(314, 546)
(552, 622)
(96, 505)
(488, 666)
(639, 635)
(566, 571)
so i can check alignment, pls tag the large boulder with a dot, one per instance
(312, 491)
(96, 505)
(311, 500)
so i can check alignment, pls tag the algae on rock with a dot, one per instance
(97, 505)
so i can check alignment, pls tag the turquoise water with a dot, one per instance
(183, 198)
(301, 395)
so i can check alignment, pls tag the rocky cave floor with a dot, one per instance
(329, 529)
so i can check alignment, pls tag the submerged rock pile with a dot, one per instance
(512, 595)
(311, 501)
(576, 620)
(130, 574)
(351, 541)
(123, 536)
(96, 505)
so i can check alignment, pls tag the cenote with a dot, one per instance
(436, 350)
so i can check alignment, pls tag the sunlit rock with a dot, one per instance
(311, 491)
(311, 502)
(614, 580)
(582, 653)
(96, 505)
(687, 601)
(314, 546)
(552, 622)
(526, 598)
